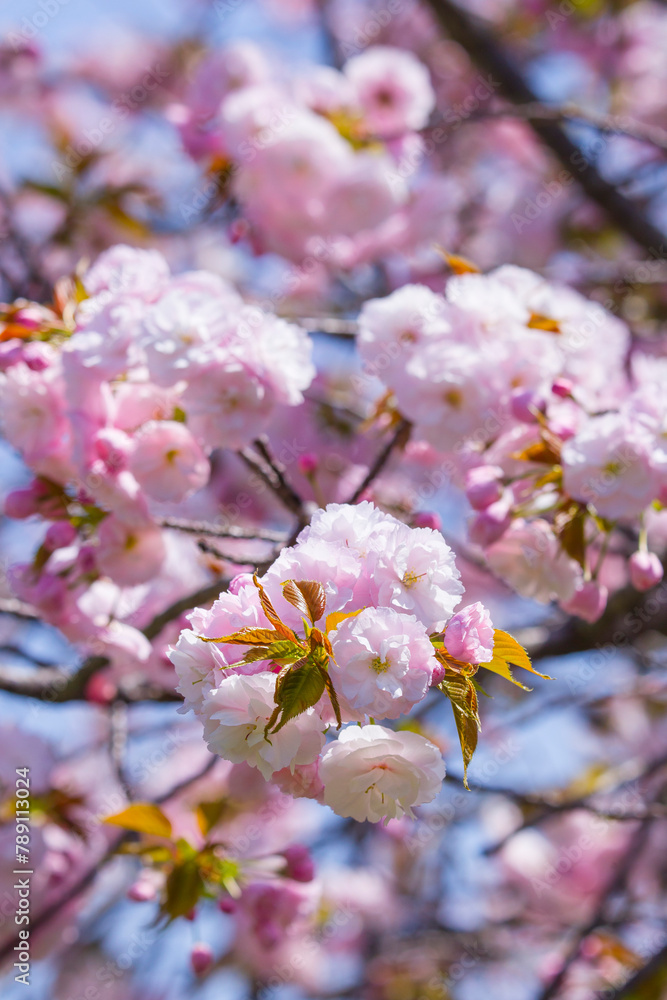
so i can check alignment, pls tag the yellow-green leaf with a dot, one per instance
(461, 692)
(506, 651)
(183, 888)
(334, 619)
(142, 817)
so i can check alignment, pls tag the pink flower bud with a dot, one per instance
(85, 560)
(523, 405)
(562, 387)
(483, 486)
(298, 863)
(141, 891)
(490, 524)
(645, 570)
(60, 534)
(201, 958)
(588, 602)
(307, 464)
(469, 635)
(438, 675)
(427, 519)
(227, 905)
(20, 504)
(100, 689)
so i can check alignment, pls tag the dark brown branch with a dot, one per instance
(616, 884)
(51, 683)
(232, 531)
(609, 124)
(641, 978)
(484, 50)
(202, 596)
(398, 440)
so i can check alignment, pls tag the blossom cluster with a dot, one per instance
(372, 595)
(524, 384)
(116, 399)
(324, 165)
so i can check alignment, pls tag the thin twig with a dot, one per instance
(89, 876)
(398, 439)
(610, 124)
(619, 877)
(483, 49)
(231, 531)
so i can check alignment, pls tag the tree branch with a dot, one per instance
(483, 49)
(89, 876)
(205, 528)
(616, 883)
(610, 124)
(398, 439)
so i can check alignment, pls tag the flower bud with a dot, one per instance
(427, 519)
(298, 863)
(438, 675)
(490, 524)
(100, 689)
(60, 534)
(645, 570)
(524, 404)
(20, 504)
(307, 464)
(201, 958)
(589, 602)
(562, 387)
(227, 905)
(483, 486)
(141, 891)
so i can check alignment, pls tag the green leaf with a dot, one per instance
(183, 888)
(506, 651)
(298, 688)
(281, 651)
(570, 527)
(461, 692)
(210, 813)
(307, 596)
(142, 817)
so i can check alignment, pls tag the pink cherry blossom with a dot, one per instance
(237, 713)
(529, 558)
(167, 462)
(129, 553)
(469, 634)
(393, 90)
(382, 662)
(376, 774)
(608, 464)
